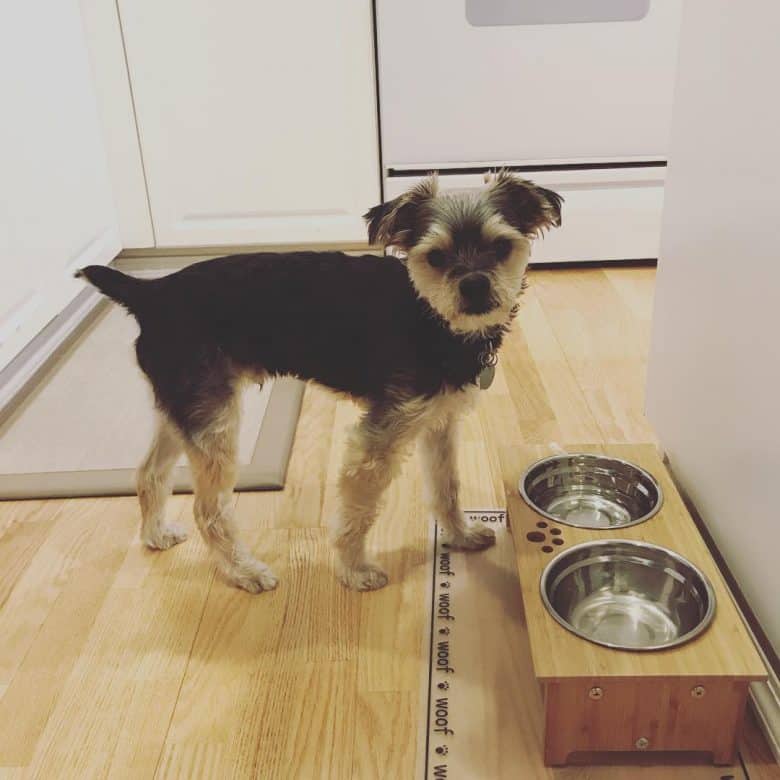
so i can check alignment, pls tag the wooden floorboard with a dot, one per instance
(118, 662)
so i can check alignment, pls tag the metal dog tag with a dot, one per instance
(486, 375)
(487, 359)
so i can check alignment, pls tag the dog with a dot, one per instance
(409, 338)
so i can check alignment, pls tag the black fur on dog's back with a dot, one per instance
(354, 324)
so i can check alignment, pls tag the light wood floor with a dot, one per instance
(118, 662)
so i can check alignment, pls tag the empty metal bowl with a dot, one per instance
(627, 595)
(591, 491)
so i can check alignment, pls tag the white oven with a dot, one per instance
(574, 94)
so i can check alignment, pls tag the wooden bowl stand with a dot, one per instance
(689, 698)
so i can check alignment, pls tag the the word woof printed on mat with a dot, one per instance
(455, 597)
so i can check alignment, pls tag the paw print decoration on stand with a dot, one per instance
(539, 536)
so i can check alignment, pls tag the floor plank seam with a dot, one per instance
(566, 360)
(164, 740)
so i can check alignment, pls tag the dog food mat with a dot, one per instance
(482, 709)
(89, 421)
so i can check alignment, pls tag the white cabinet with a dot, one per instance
(56, 208)
(257, 120)
(714, 370)
(103, 34)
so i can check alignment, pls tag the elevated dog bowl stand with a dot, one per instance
(688, 698)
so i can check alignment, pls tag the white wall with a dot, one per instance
(714, 375)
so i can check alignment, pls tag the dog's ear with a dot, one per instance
(522, 204)
(403, 221)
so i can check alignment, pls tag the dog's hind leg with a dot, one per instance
(154, 487)
(212, 454)
(442, 486)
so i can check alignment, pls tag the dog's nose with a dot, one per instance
(475, 287)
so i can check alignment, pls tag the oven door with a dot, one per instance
(502, 81)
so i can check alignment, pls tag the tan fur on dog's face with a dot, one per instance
(467, 253)
(468, 245)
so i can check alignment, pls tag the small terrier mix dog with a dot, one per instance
(410, 339)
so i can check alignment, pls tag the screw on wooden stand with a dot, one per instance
(595, 693)
(642, 743)
(698, 691)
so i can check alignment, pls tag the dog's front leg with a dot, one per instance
(373, 456)
(442, 486)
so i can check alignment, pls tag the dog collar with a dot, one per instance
(488, 359)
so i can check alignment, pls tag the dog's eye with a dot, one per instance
(436, 258)
(502, 248)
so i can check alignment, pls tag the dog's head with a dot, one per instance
(467, 253)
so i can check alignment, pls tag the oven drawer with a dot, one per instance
(608, 213)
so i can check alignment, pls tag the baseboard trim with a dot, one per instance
(765, 698)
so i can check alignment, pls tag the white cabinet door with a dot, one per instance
(115, 106)
(56, 208)
(257, 120)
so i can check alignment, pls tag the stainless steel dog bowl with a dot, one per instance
(627, 595)
(591, 491)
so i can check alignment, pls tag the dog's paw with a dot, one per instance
(252, 576)
(475, 536)
(164, 537)
(363, 577)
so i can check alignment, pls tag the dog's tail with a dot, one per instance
(132, 293)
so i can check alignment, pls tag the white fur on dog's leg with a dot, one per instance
(442, 486)
(474, 536)
(352, 566)
(164, 537)
(366, 576)
(251, 575)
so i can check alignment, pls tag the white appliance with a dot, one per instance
(574, 95)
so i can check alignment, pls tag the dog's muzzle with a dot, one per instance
(477, 294)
